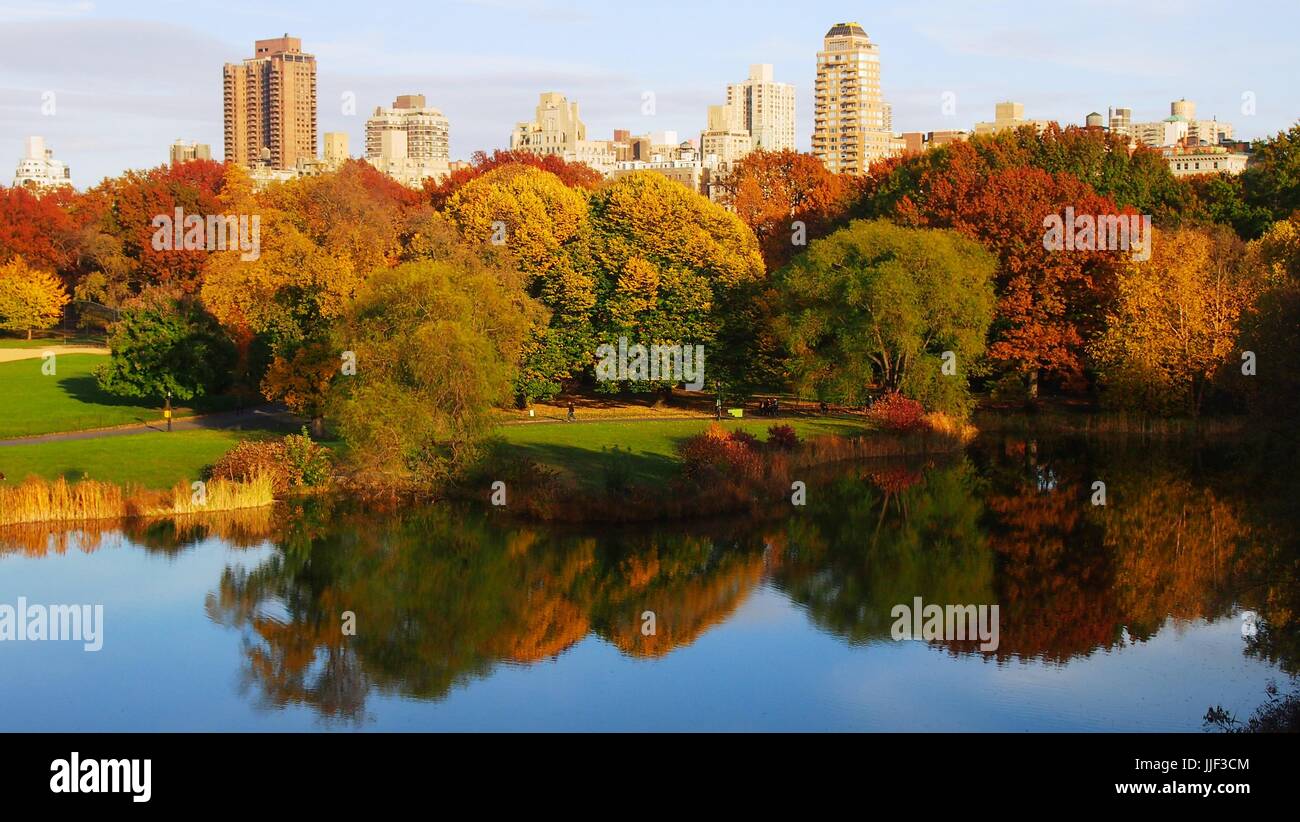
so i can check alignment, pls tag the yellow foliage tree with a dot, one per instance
(29, 298)
(1176, 320)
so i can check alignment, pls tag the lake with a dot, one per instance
(1177, 594)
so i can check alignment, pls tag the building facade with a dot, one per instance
(183, 151)
(726, 138)
(557, 129)
(852, 124)
(1009, 115)
(766, 109)
(1182, 128)
(1190, 161)
(37, 167)
(409, 141)
(270, 105)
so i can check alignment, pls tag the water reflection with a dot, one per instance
(443, 596)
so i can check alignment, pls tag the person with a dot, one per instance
(823, 407)
(570, 412)
(717, 414)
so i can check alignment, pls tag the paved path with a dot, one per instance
(252, 418)
(13, 354)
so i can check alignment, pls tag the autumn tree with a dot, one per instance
(674, 267)
(1050, 302)
(1176, 321)
(876, 305)
(436, 345)
(1271, 327)
(542, 224)
(572, 174)
(787, 198)
(29, 298)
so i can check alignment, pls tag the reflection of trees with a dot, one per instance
(441, 597)
(862, 548)
(243, 528)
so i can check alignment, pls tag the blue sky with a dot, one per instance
(130, 77)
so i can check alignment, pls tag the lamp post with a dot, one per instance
(167, 410)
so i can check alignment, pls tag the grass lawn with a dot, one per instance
(70, 399)
(585, 449)
(151, 460)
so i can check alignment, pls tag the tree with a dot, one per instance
(166, 347)
(1050, 303)
(1272, 180)
(436, 345)
(573, 175)
(29, 298)
(1271, 328)
(543, 226)
(675, 268)
(1176, 321)
(772, 190)
(876, 305)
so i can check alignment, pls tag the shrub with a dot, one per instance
(782, 436)
(744, 438)
(251, 458)
(894, 412)
(307, 462)
(715, 454)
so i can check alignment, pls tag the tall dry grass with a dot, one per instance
(38, 500)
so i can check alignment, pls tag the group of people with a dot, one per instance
(769, 408)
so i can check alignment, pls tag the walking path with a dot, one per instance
(14, 354)
(252, 418)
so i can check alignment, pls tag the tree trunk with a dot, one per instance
(29, 333)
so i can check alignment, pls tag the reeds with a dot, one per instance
(38, 500)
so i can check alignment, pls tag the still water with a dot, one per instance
(1127, 616)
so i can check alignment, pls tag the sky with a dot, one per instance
(127, 78)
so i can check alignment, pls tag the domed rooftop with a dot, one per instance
(846, 30)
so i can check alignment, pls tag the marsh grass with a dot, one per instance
(37, 500)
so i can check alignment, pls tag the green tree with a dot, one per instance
(165, 346)
(878, 305)
(436, 345)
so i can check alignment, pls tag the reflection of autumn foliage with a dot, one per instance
(690, 590)
(242, 528)
(1054, 576)
(441, 597)
(1176, 546)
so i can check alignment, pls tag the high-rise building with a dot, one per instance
(38, 167)
(766, 108)
(270, 105)
(182, 151)
(409, 141)
(852, 124)
(557, 129)
(725, 136)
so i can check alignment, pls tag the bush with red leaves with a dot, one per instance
(894, 412)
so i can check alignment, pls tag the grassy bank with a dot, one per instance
(153, 461)
(581, 451)
(71, 400)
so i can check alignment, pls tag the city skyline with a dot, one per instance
(103, 125)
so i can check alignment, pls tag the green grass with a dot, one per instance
(584, 450)
(69, 399)
(149, 460)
